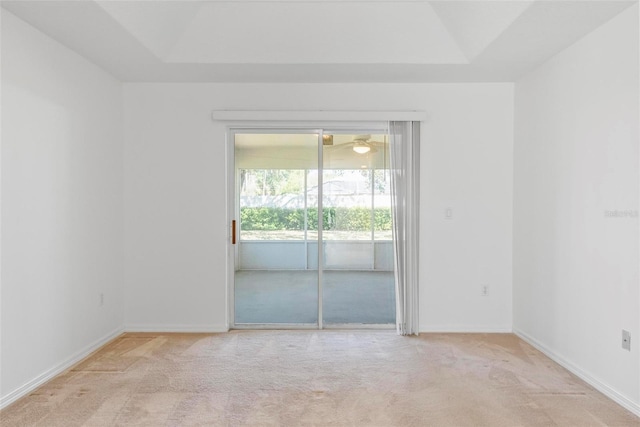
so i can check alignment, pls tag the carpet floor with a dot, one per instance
(332, 377)
(365, 297)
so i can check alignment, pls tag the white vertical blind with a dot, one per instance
(404, 147)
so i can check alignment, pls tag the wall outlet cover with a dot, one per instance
(626, 340)
(484, 290)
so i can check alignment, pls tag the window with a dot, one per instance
(281, 204)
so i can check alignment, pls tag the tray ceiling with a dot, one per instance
(317, 41)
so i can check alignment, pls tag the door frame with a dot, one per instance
(232, 208)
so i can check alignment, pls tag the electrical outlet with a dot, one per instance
(101, 299)
(484, 290)
(626, 340)
(448, 213)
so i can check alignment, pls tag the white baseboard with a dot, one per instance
(27, 388)
(177, 328)
(457, 329)
(603, 388)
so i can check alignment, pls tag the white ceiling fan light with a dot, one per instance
(361, 148)
(361, 144)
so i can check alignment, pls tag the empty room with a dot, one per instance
(304, 212)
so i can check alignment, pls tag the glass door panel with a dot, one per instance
(276, 277)
(357, 276)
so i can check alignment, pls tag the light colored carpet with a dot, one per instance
(290, 378)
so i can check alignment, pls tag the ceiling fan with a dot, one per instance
(361, 144)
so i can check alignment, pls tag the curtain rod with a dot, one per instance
(319, 115)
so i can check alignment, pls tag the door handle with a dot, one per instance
(233, 232)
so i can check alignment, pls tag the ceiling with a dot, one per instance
(300, 151)
(317, 41)
(288, 140)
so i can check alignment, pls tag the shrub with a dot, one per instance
(347, 219)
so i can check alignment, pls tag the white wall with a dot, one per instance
(62, 207)
(175, 202)
(576, 157)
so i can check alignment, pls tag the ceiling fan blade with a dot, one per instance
(374, 146)
(342, 145)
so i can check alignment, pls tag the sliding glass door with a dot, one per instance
(357, 279)
(276, 268)
(292, 191)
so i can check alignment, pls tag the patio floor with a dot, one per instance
(356, 297)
